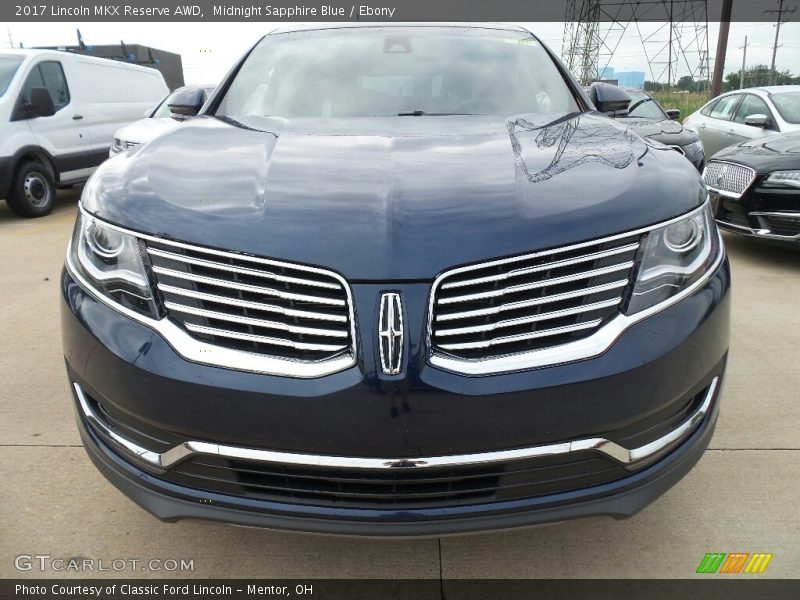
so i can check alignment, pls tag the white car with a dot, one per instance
(156, 121)
(58, 111)
(746, 114)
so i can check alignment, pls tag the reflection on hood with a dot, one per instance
(573, 142)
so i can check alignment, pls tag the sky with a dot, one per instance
(208, 50)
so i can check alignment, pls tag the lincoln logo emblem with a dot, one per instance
(721, 177)
(390, 333)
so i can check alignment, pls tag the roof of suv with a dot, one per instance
(362, 25)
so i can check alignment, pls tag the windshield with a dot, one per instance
(788, 105)
(645, 107)
(8, 67)
(396, 71)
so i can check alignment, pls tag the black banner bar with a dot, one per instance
(380, 10)
(713, 587)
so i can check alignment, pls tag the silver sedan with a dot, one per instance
(746, 114)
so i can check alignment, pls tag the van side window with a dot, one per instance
(50, 75)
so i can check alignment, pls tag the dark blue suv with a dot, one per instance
(396, 280)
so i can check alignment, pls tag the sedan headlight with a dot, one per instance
(784, 178)
(673, 258)
(693, 148)
(111, 262)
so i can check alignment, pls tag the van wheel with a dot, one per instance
(33, 191)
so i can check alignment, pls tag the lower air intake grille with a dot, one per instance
(530, 302)
(253, 304)
(787, 224)
(396, 488)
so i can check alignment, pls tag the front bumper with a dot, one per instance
(768, 214)
(617, 396)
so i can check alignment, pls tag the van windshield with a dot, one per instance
(396, 71)
(8, 67)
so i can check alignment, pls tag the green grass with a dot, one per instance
(687, 103)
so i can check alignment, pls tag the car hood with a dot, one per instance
(765, 154)
(399, 198)
(667, 131)
(144, 130)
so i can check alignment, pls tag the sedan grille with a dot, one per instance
(728, 177)
(253, 304)
(531, 302)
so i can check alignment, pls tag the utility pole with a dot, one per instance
(780, 12)
(669, 59)
(722, 46)
(744, 60)
(10, 41)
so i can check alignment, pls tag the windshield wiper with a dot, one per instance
(422, 113)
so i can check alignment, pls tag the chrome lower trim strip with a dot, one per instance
(168, 459)
(758, 233)
(582, 349)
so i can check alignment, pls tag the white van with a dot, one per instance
(58, 115)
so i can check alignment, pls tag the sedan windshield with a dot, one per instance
(788, 105)
(8, 67)
(396, 71)
(645, 107)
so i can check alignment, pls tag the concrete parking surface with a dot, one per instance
(742, 496)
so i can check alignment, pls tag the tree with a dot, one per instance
(685, 83)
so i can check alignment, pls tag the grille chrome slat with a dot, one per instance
(220, 316)
(539, 268)
(494, 310)
(536, 284)
(262, 339)
(244, 287)
(242, 270)
(297, 318)
(530, 319)
(289, 312)
(531, 302)
(522, 336)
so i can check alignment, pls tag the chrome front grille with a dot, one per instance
(530, 302)
(728, 177)
(253, 304)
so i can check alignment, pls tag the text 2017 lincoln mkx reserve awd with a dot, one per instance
(396, 280)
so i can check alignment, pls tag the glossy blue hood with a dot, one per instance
(399, 198)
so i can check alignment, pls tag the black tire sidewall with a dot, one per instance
(17, 200)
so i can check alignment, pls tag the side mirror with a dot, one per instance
(40, 103)
(758, 120)
(187, 103)
(674, 113)
(610, 99)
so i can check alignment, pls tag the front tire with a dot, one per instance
(33, 190)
